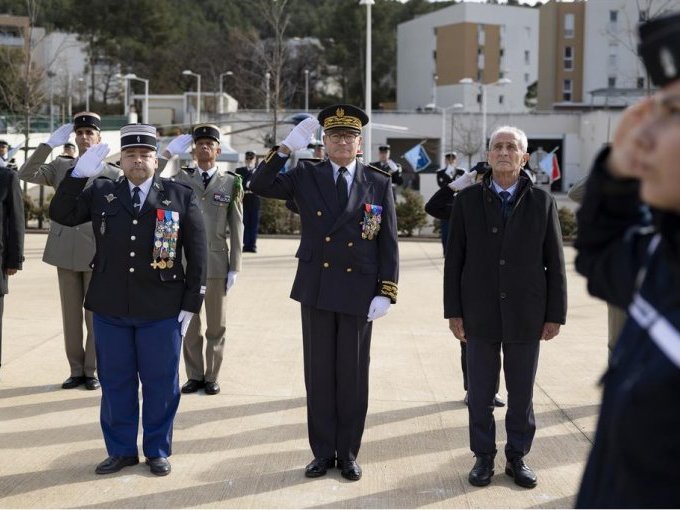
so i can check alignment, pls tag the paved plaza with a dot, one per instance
(247, 446)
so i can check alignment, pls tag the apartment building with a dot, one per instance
(493, 45)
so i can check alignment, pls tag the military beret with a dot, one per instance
(138, 135)
(343, 116)
(87, 120)
(206, 131)
(659, 48)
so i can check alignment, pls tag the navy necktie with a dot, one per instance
(136, 199)
(206, 179)
(341, 187)
(506, 206)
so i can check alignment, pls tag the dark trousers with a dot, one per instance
(2, 310)
(130, 350)
(463, 366)
(519, 365)
(337, 354)
(251, 222)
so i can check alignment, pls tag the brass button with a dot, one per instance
(326, 264)
(132, 269)
(350, 244)
(318, 213)
(132, 238)
(349, 269)
(134, 222)
(132, 254)
(328, 239)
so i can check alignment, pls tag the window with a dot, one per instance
(611, 82)
(434, 54)
(527, 59)
(641, 83)
(566, 90)
(568, 58)
(500, 99)
(613, 16)
(501, 74)
(479, 75)
(568, 26)
(480, 35)
(613, 52)
(479, 98)
(526, 77)
(501, 52)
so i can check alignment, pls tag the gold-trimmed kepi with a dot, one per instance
(206, 131)
(343, 116)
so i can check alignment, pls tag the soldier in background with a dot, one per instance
(71, 249)
(220, 198)
(446, 176)
(251, 204)
(69, 151)
(386, 164)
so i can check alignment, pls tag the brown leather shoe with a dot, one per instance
(350, 469)
(318, 467)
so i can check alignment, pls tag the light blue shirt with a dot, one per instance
(498, 188)
(143, 190)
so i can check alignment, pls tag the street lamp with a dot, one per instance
(267, 76)
(133, 76)
(187, 72)
(222, 75)
(125, 93)
(369, 98)
(83, 81)
(306, 90)
(482, 89)
(444, 110)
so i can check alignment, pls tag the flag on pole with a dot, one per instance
(418, 158)
(550, 166)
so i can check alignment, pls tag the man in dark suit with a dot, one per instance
(446, 176)
(11, 233)
(251, 204)
(141, 295)
(504, 288)
(346, 278)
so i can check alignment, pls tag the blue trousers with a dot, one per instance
(129, 351)
(251, 222)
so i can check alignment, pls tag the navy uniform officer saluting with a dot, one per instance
(346, 277)
(141, 295)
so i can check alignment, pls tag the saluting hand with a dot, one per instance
(301, 134)
(462, 182)
(456, 327)
(179, 145)
(627, 146)
(60, 135)
(90, 163)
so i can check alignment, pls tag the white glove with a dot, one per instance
(60, 135)
(90, 163)
(184, 318)
(179, 145)
(379, 307)
(465, 180)
(230, 280)
(301, 134)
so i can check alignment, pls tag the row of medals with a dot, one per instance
(165, 243)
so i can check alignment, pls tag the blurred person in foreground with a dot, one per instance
(504, 289)
(634, 460)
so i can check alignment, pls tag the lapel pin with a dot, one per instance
(166, 202)
(110, 197)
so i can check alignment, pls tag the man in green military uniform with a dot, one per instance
(220, 197)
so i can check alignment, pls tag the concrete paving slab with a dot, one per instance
(247, 446)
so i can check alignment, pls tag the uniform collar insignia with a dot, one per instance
(110, 197)
(166, 202)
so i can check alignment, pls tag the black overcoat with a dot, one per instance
(505, 280)
(124, 284)
(338, 270)
(11, 225)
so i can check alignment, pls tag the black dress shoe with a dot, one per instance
(212, 388)
(73, 382)
(498, 401)
(92, 383)
(160, 466)
(192, 386)
(318, 467)
(521, 473)
(349, 469)
(482, 472)
(115, 464)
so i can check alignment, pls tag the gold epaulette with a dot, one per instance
(378, 170)
(389, 289)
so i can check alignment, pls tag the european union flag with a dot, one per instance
(418, 158)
